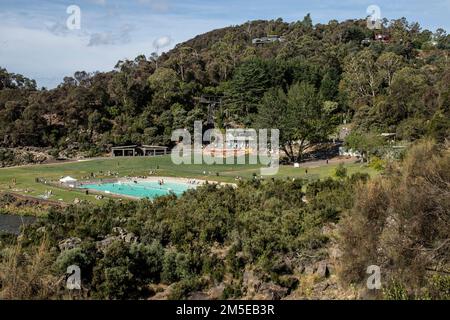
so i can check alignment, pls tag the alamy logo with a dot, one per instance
(74, 20)
(237, 146)
(73, 278)
(374, 18)
(374, 280)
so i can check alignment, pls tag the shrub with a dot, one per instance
(377, 163)
(439, 287)
(341, 171)
(395, 291)
(232, 291)
(169, 274)
(75, 256)
(400, 222)
(182, 289)
(214, 267)
(125, 271)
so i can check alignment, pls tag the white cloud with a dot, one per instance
(50, 56)
(162, 42)
(109, 38)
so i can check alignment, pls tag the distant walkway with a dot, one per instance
(54, 162)
(61, 162)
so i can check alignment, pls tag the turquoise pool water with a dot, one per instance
(149, 190)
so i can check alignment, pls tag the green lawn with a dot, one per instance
(140, 166)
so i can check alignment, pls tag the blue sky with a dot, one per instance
(35, 41)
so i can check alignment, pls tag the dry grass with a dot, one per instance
(25, 276)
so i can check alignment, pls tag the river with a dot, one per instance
(12, 224)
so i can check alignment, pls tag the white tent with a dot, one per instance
(68, 180)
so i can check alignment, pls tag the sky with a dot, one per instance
(37, 41)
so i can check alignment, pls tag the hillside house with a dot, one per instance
(267, 40)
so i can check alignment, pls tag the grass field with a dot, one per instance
(26, 184)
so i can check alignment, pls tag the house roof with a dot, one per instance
(154, 147)
(124, 147)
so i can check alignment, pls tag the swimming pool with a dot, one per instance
(141, 189)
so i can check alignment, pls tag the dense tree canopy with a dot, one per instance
(399, 86)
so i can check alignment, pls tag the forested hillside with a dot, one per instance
(317, 77)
